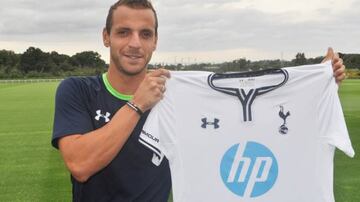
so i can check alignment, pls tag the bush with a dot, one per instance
(11, 74)
(353, 73)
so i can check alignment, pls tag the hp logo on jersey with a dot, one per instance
(249, 170)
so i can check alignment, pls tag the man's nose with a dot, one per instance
(135, 41)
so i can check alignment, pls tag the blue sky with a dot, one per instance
(191, 31)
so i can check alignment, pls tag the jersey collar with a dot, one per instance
(112, 90)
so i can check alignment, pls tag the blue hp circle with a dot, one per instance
(249, 170)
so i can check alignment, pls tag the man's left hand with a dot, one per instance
(337, 64)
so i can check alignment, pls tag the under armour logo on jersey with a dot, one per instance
(205, 123)
(105, 116)
(283, 129)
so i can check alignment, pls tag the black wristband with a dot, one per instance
(135, 108)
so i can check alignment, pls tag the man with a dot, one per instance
(98, 119)
(106, 161)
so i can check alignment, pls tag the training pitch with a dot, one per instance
(31, 170)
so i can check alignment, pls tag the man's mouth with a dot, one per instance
(133, 57)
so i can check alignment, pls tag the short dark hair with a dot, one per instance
(130, 4)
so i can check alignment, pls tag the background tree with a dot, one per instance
(87, 59)
(351, 60)
(300, 59)
(34, 59)
(8, 60)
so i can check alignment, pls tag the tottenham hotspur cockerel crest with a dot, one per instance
(283, 129)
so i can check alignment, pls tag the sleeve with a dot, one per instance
(71, 114)
(158, 131)
(333, 126)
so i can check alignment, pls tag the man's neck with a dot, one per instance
(125, 84)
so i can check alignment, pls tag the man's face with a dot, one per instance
(132, 39)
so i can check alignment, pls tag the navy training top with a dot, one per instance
(88, 103)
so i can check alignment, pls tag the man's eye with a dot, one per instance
(147, 35)
(123, 33)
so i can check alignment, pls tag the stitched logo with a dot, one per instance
(205, 123)
(100, 115)
(283, 129)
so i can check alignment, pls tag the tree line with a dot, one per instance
(35, 63)
(352, 61)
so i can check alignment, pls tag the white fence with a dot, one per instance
(11, 81)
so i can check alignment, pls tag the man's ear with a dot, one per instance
(106, 38)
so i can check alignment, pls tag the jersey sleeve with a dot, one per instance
(71, 114)
(158, 131)
(332, 122)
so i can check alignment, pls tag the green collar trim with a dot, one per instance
(113, 91)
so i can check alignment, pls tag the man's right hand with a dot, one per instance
(151, 89)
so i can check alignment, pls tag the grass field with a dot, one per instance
(347, 171)
(31, 170)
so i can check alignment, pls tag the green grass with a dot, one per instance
(347, 170)
(31, 170)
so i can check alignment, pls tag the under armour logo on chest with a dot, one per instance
(205, 123)
(105, 116)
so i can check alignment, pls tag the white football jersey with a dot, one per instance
(254, 136)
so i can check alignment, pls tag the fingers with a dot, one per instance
(160, 72)
(338, 68)
(339, 74)
(158, 82)
(337, 64)
(340, 78)
(337, 61)
(159, 76)
(330, 52)
(151, 89)
(339, 71)
(329, 55)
